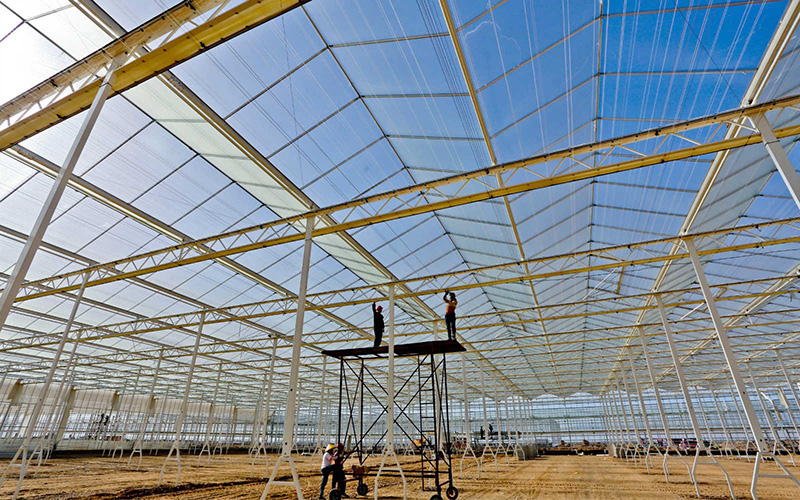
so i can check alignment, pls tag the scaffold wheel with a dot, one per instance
(452, 492)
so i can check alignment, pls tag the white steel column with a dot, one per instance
(728, 438)
(779, 156)
(614, 431)
(137, 446)
(388, 449)
(22, 452)
(711, 440)
(499, 419)
(62, 396)
(610, 431)
(51, 202)
(291, 398)
(508, 422)
(517, 446)
(698, 434)
(650, 443)
(661, 412)
(176, 444)
(775, 437)
(619, 409)
(486, 445)
(638, 440)
(468, 448)
(733, 366)
(262, 446)
(257, 419)
(210, 422)
(793, 390)
(320, 447)
(745, 432)
(121, 445)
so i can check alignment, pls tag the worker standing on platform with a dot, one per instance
(450, 314)
(377, 324)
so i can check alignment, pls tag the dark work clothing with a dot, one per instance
(326, 471)
(377, 326)
(450, 322)
(339, 480)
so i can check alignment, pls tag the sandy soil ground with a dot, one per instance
(548, 477)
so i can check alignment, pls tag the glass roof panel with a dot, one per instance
(340, 22)
(295, 104)
(516, 31)
(408, 67)
(77, 34)
(33, 58)
(180, 192)
(232, 73)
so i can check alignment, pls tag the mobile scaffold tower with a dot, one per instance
(424, 417)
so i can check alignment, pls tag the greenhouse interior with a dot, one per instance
(409, 249)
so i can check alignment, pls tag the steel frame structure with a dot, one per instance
(89, 82)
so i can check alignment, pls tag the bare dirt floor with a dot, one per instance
(547, 477)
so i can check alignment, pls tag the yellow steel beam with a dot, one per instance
(281, 231)
(128, 329)
(225, 26)
(425, 285)
(90, 66)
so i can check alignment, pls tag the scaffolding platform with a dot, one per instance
(422, 414)
(400, 350)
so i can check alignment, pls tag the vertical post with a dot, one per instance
(728, 438)
(269, 395)
(388, 449)
(661, 412)
(727, 350)
(37, 410)
(486, 446)
(517, 445)
(66, 381)
(137, 446)
(698, 435)
(775, 437)
(637, 436)
(256, 433)
(121, 445)
(745, 432)
(468, 430)
(650, 442)
(291, 398)
(51, 202)
(733, 366)
(498, 419)
(210, 421)
(612, 425)
(320, 446)
(792, 389)
(176, 444)
(619, 409)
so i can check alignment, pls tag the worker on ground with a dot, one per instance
(377, 324)
(339, 479)
(450, 314)
(328, 467)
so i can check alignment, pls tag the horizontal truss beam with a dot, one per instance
(472, 187)
(217, 30)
